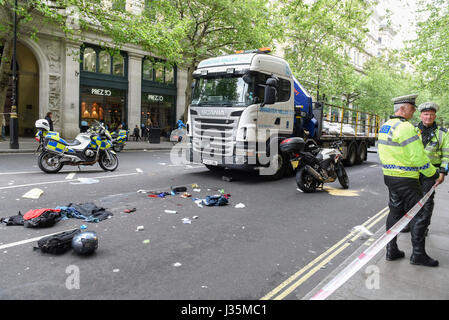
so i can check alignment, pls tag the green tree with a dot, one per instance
(383, 79)
(318, 34)
(74, 18)
(429, 53)
(215, 27)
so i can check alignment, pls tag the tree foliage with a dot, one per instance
(429, 52)
(215, 27)
(317, 35)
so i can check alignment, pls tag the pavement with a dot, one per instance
(399, 280)
(29, 145)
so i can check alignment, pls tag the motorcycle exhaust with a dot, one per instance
(314, 173)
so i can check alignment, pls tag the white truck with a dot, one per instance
(243, 105)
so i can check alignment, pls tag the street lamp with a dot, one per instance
(13, 121)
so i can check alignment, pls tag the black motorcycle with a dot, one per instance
(315, 166)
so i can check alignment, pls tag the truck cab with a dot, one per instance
(230, 122)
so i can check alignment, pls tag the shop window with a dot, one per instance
(105, 62)
(90, 60)
(118, 65)
(147, 70)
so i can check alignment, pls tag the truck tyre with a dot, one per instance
(361, 153)
(351, 156)
(281, 166)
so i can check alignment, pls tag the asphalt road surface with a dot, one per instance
(279, 246)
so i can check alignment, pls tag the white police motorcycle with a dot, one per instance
(87, 149)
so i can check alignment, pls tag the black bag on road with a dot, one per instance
(57, 243)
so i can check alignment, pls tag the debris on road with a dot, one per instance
(186, 220)
(240, 206)
(364, 232)
(86, 181)
(147, 241)
(171, 211)
(140, 228)
(129, 210)
(33, 193)
(177, 264)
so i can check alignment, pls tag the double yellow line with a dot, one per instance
(286, 287)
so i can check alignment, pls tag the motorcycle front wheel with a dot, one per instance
(342, 176)
(305, 181)
(108, 164)
(49, 163)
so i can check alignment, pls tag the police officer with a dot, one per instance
(402, 155)
(436, 145)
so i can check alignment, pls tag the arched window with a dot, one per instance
(105, 62)
(90, 60)
(118, 65)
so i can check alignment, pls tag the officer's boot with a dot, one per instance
(420, 257)
(393, 252)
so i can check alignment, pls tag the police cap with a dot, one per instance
(428, 106)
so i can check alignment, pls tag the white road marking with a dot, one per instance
(63, 181)
(70, 176)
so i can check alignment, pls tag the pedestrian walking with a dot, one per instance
(50, 121)
(136, 133)
(436, 145)
(2, 126)
(403, 158)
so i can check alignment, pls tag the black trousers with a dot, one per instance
(404, 193)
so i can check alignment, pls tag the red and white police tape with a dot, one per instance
(366, 255)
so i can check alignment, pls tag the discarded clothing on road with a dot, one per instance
(87, 211)
(41, 218)
(13, 221)
(217, 200)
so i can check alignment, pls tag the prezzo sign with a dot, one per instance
(153, 97)
(101, 92)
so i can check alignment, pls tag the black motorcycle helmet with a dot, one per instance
(85, 242)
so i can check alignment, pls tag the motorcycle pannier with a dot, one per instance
(292, 145)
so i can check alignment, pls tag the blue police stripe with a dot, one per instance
(392, 166)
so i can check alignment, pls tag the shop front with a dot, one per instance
(104, 105)
(158, 101)
(158, 111)
(103, 88)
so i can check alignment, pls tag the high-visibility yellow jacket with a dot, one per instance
(401, 150)
(437, 149)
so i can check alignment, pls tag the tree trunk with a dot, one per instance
(188, 92)
(5, 72)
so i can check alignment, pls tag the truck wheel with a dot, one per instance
(361, 153)
(279, 163)
(351, 156)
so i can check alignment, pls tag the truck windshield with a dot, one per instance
(221, 90)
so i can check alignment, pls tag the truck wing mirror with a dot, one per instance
(269, 96)
(247, 78)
